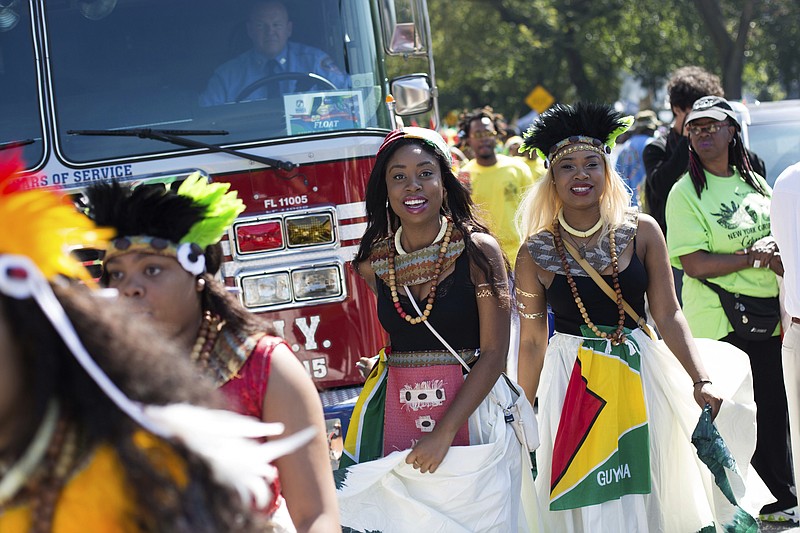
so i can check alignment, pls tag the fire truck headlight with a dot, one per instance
(317, 283)
(259, 237)
(269, 289)
(309, 230)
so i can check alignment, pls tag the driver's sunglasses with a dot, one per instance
(485, 134)
(712, 128)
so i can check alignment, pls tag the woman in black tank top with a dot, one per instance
(435, 247)
(423, 247)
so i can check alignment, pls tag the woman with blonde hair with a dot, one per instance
(616, 408)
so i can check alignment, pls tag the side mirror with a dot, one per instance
(412, 94)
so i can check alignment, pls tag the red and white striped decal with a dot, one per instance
(352, 223)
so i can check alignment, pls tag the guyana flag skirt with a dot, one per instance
(601, 450)
(616, 451)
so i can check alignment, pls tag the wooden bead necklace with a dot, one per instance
(432, 293)
(206, 338)
(618, 336)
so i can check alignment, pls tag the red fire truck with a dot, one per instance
(111, 89)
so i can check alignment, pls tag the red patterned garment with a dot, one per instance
(246, 389)
(416, 399)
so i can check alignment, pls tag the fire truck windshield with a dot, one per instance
(195, 65)
(19, 106)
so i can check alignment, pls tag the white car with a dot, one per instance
(772, 130)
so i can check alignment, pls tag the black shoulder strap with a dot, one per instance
(713, 286)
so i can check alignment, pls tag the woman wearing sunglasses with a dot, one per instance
(718, 215)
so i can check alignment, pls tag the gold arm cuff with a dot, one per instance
(520, 292)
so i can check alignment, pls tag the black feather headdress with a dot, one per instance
(149, 210)
(594, 125)
(155, 219)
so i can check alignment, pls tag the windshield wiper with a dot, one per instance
(16, 144)
(178, 137)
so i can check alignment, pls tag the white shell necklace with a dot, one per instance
(439, 236)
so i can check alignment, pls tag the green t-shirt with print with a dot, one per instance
(729, 216)
(497, 191)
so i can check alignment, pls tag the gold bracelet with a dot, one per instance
(484, 293)
(523, 293)
(531, 316)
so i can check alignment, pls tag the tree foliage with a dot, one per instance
(496, 51)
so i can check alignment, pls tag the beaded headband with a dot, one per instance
(156, 220)
(578, 143)
(189, 255)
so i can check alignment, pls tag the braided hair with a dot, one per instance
(467, 117)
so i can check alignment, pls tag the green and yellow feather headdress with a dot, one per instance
(156, 219)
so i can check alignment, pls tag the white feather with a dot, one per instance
(224, 439)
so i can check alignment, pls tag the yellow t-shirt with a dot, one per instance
(497, 191)
(536, 164)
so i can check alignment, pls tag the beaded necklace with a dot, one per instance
(432, 293)
(21, 471)
(59, 464)
(56, 448)
(618, 336)
(576, 232)
(206, 337)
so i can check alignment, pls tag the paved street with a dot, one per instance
(771, 526)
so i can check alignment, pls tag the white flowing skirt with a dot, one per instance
(484, 487)
(684, 498)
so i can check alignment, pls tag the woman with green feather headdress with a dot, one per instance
(163, 262)
(617, 408)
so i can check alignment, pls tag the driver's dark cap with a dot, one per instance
(714, 107)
